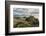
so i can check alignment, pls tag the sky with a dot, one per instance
(26, 12)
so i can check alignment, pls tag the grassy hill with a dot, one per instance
(30, 21)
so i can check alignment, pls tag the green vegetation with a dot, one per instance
(30, 21)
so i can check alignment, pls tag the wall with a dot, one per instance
(2, 17)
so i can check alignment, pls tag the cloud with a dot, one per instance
(25, 11)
